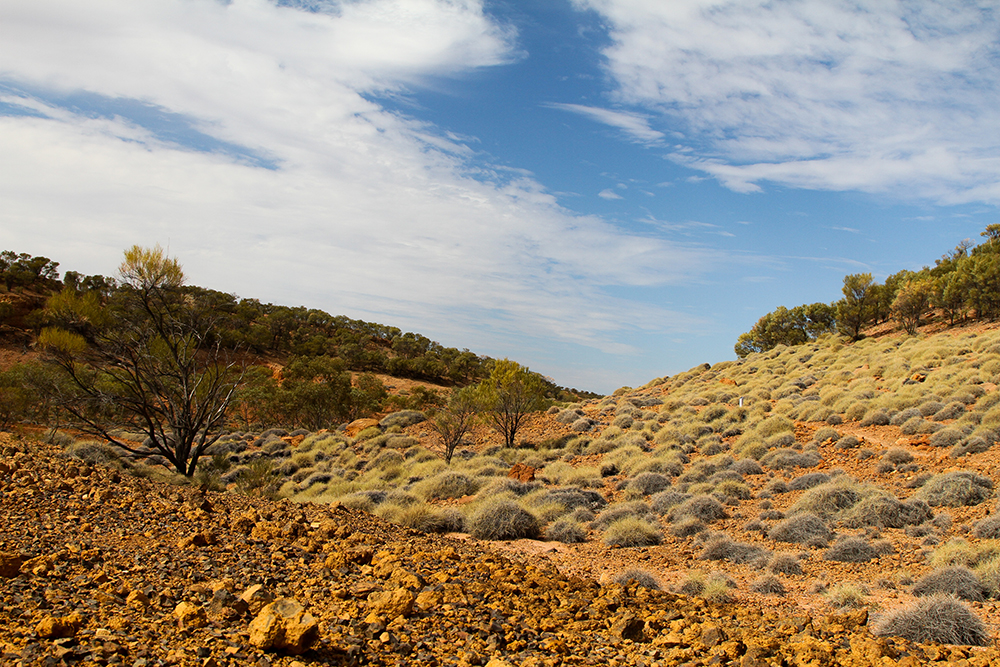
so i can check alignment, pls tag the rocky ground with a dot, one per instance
(98, 567)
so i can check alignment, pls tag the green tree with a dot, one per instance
(911, 302)
(950, 295)
(315, 392)
(980, 276)
(143, 361)
(787, 327)
(507, 396)
(856, 310)
(366, 396)
(453, 422)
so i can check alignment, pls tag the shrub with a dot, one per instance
(897, 455)
(826, 433)
(508, 485)
(702, 507)
(449, 484)
(852, 550)
(648, 483)
(641, 578)
(847, 442)
(801, 529)
(956, 488)
(988, 528)
(785, 563)
(717, 587)
(916, 425)
(847, 595)
(747, 467)
(774, 425)
(663, 502)
(768, 584)
(956, 580)
(988, 573)
(567, 531)
(808, 481)
(687, 527)
(876, 417)
(428, 519)
(947, 437)
(930, 407)
(732, 490)
(502, 520)
(904, 416)
(722, 547)
(572, 498)
(402, 418)
(887, 511)
(953, 410)
(632, 531)
(94, 452)
(786, 459)
(939, 618)
(776, 486)
(618, 511)
(828, 499)
(960, 552)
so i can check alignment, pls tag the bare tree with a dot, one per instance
(453, 422)
(147, 359)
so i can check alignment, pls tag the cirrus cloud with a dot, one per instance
(888, 96)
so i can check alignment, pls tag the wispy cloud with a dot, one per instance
(311, 192)
(608, 193)
(635, 126)
(880, 97)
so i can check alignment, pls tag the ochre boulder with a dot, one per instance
(284, 625)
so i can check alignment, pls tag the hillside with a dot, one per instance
(104, 568)
(800, 501)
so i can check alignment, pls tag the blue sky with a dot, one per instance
(606, 190)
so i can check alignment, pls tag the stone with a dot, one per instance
(137, 599)
(10, 564)
(628, 626)
(390, 604)
(359, 425)
(256, 597)
(284, 626)
(57, 627)
(190, 616)
(522, 473)
(202, 539)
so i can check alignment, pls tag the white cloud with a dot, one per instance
(608, 193)
(367, 213)
(634, 125)
(880, 97)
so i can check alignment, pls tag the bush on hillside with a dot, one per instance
(853, 550)
(940, 618)
(502, 520)
(639, 577)
(956, 580)
(722, 547)
(956, 489)
(808, 481)
(803, 528)
(648, 483)
(768, 584)
(632, 531)
(885, 511)
(702, 507)
(785, 563)
(567, 531)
